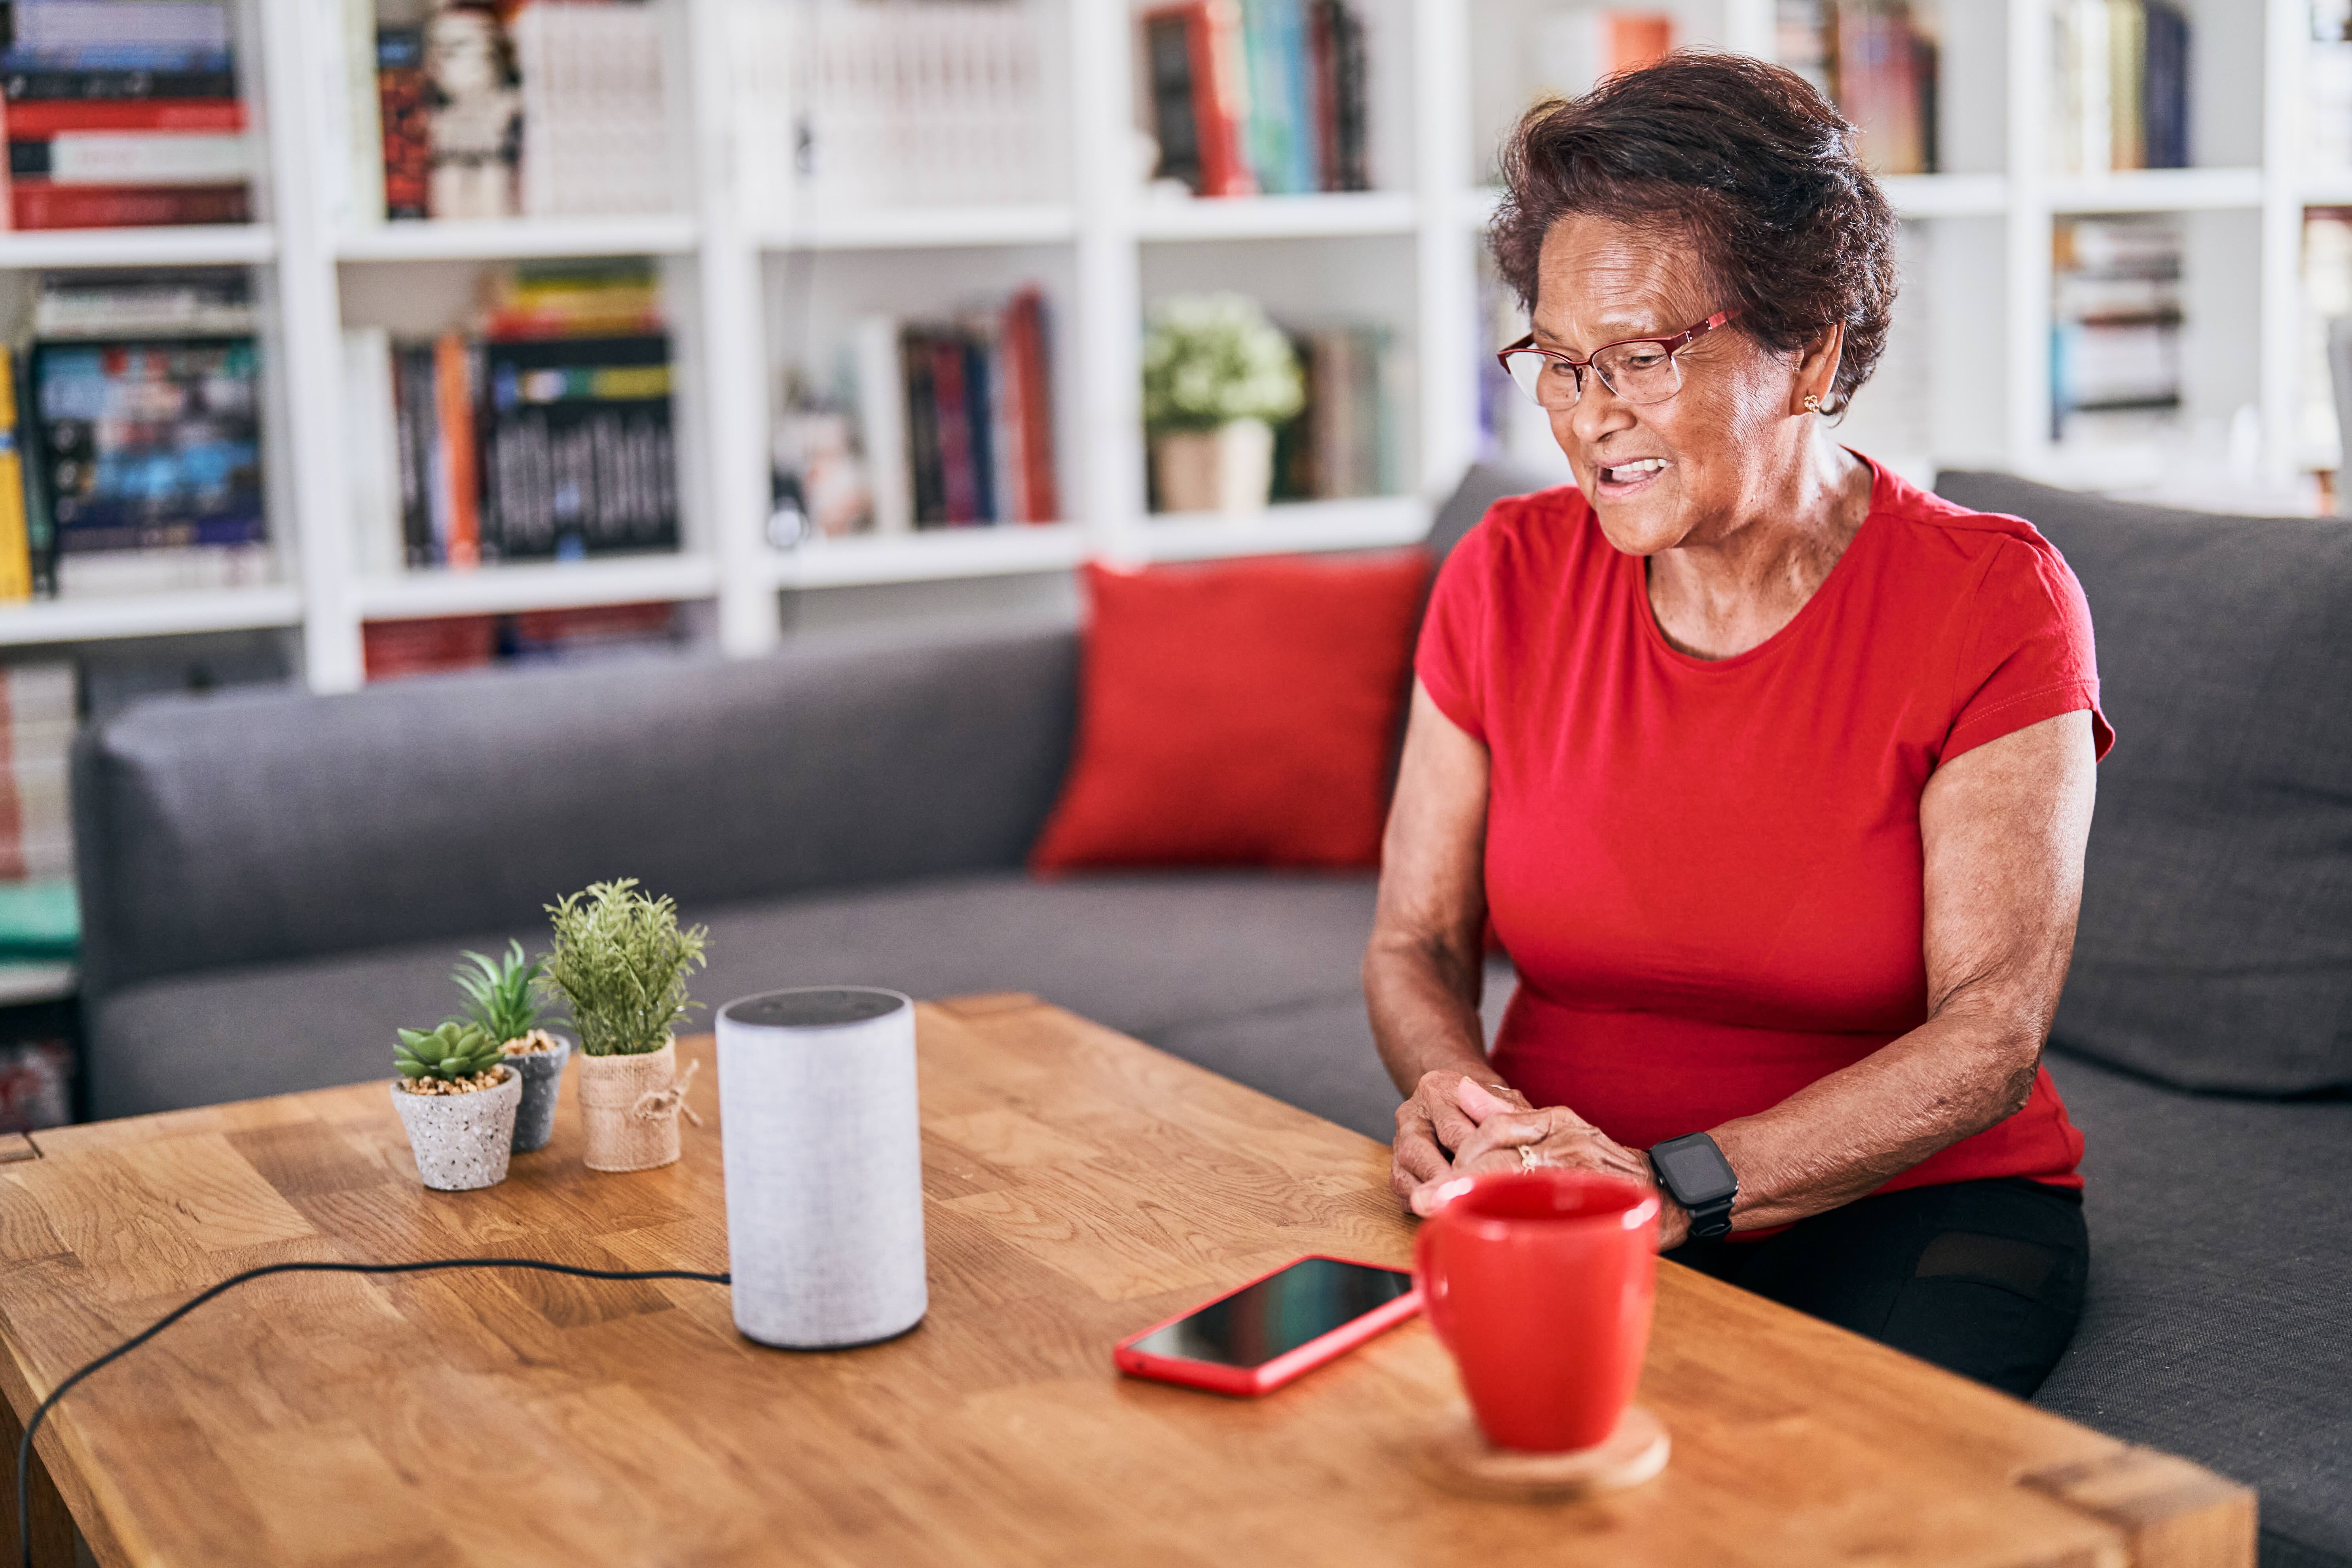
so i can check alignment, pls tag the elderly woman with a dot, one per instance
(1771, 772)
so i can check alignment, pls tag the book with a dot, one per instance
(2115, 317)
(1199, 44)
(130, 157)
(2120, 77)
(414, 431)
(148, 445)
(1281, 133)
(588, 631)
(44, 84)
(38, 717)
(15, 540)
(1886, 84)
(401, 113)
(456, 473)
(208, 301)
(371, 456)
(38, 119)
(577, 451)
(596, 122)
(76, 26)
(1574, 50)
(43, 205)
(880, 400)
(390, 649)
(1341, 101)
(1031, 415)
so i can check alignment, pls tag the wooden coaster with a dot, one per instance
(1455, 1455)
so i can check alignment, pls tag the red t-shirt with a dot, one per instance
(1709, 872)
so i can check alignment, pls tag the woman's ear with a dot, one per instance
(1813, 387)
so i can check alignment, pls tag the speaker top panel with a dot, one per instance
(813, 1007)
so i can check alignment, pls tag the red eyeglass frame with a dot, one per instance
(1673, 344)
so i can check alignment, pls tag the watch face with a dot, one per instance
(1697, 1171)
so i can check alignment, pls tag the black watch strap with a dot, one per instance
(1695, 1174)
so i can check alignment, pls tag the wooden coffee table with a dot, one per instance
(1081, 1186)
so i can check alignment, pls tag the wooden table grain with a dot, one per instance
(1079, 1185)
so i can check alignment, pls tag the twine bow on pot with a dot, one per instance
(657, 1103)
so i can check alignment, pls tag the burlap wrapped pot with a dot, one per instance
(629, 1107)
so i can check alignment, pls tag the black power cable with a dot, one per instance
(24, 1447)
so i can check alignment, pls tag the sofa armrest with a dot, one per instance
(240, 829)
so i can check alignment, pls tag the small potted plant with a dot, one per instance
(502, 996)
(620, 962)
(1217, 377)
(457, 1099)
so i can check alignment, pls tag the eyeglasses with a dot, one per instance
(1638, 370)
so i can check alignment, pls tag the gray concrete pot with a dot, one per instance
(461, 1141)
(542, 1075)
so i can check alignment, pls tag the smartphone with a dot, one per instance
(1253, 1340)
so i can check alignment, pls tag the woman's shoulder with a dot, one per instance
(1926, 527)
(1518, 533)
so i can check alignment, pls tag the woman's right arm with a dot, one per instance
(1424, 965)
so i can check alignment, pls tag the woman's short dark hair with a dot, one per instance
(1745, 161)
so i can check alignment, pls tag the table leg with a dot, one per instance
(53, 1526)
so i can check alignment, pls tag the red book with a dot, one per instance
(1220, 99)
(38, 118)
(390, 649)
(36, 204)
(1025, 365)
(407, 130)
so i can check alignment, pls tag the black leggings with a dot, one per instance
(1984, 1278)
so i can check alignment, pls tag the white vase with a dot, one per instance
(460, 1140)
(1228, 470)
(821, 1138)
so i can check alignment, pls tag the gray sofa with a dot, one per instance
(271, 880)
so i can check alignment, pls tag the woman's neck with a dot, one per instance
(1719, 598)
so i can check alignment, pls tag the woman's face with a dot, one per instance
(1686, 471)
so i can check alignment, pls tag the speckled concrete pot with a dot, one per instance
(542, 1075)
(461, 1141)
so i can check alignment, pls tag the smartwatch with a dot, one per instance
(1696, 1175)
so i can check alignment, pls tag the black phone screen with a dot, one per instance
(1279, 1313)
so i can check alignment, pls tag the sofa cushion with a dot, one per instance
(1141, 953)
(2215, 1323)
(1237, 713)
(2215, 949)
(251, 827)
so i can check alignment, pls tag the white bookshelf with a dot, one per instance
(756, 279)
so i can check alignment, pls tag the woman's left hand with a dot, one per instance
(1553, 1136)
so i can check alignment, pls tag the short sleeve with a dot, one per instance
(2027, 654)
(1451, 657)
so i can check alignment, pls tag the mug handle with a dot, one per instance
(1435, 1304)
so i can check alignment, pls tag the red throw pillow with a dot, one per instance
(1242, 713)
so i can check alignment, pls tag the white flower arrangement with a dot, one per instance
(1211, 359)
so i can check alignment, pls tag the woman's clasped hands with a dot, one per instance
(1456, 1126)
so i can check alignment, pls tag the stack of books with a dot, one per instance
(395, 648)
(1258, 97)
(866, 104)
(2116, 324)
(954, 418)
(40, 923)
(134, 464)
(122, 113)
(1344, 441)
(552, 110)
(544, 434)
(2120, 71)
(1876, 59)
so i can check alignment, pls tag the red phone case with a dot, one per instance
(1247, 1381)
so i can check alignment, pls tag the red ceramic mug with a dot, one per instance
(1541, 1283)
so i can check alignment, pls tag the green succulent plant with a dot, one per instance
(620, 962)
(503, 994)
(454, 1050)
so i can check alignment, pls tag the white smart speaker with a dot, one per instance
(822, 1151)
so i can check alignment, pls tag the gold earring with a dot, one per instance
(1812, 403)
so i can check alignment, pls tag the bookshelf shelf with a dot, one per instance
(498, 590)
(1947, 196)
(193, 245)
(1004, 551)
(148, 614)
(1371, 522)
(1042, 223)
(1278, 217)
(519, 239)
(2158, 190)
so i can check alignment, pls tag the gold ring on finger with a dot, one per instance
(1527, 1156)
